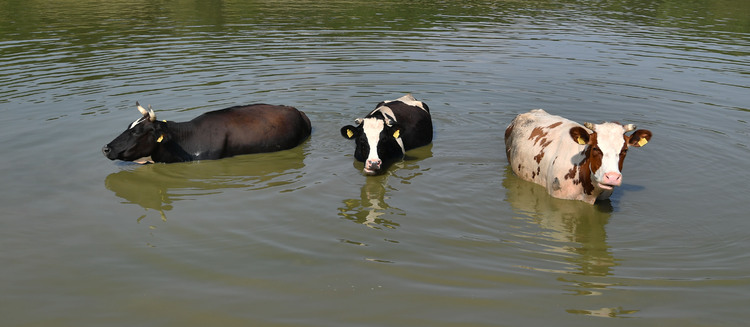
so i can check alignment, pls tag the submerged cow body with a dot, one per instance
(387, 132)
(213, 135)
(573, 161)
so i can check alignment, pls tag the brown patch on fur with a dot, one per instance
(537, 134)
(571, 173)
(546, 143)
(538, 157)
(594, 157)
(584, 174)
(623, 153)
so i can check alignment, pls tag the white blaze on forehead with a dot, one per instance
(610, 140)
(138, 121)
(372, 128)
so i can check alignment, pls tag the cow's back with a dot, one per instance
(539, 149)
(254, 128)
(416, 124)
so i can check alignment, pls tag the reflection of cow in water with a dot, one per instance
(565, 222)
(159, 187)
(371, 207)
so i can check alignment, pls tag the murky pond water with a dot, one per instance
(300, 237)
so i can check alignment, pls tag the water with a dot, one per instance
(300, 237)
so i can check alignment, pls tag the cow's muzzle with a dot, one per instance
(611, 180)
(107, 151)
(372, 166)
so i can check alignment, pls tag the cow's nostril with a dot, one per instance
(105, 150)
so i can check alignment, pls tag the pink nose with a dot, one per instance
(612, 178)
(373, 164)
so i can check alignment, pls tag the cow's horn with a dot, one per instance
(359, 121)
(151, 114)
(629, 127)
(141, 109)
(589, 125)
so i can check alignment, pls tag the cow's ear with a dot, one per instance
(579, 135)
(639, 138)
(161, 133)
(349, 132)
(395, 130)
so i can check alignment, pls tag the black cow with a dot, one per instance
(387, 132)
(213, 135)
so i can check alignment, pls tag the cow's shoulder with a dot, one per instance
(540, 129)
(406, 104)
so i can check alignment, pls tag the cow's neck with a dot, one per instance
(173, 150)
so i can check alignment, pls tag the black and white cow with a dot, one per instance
(387, 132)
(213, 135)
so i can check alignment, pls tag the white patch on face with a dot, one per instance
(138, 121)
(610, 141)
(372, 128)
(388, 111)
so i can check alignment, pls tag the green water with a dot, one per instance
(301, 238)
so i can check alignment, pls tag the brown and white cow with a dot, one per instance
(573, 161)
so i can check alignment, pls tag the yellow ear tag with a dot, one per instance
(642, 141)
(581, 141)
(161, 138)
(397, 133)
(349, 133)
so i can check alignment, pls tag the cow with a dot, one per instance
(213, 135)
(573, 161)
(388, 131)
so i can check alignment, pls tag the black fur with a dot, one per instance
(213, 135)
(414, 126)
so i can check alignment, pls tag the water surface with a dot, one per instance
(300, 237)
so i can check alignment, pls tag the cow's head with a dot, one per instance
(378, 141)
(606, 148)
(139, 140)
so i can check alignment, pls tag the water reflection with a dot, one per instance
(603, 312)
(371, 208)
(567, 227)
(571, 236)
(160, 186)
